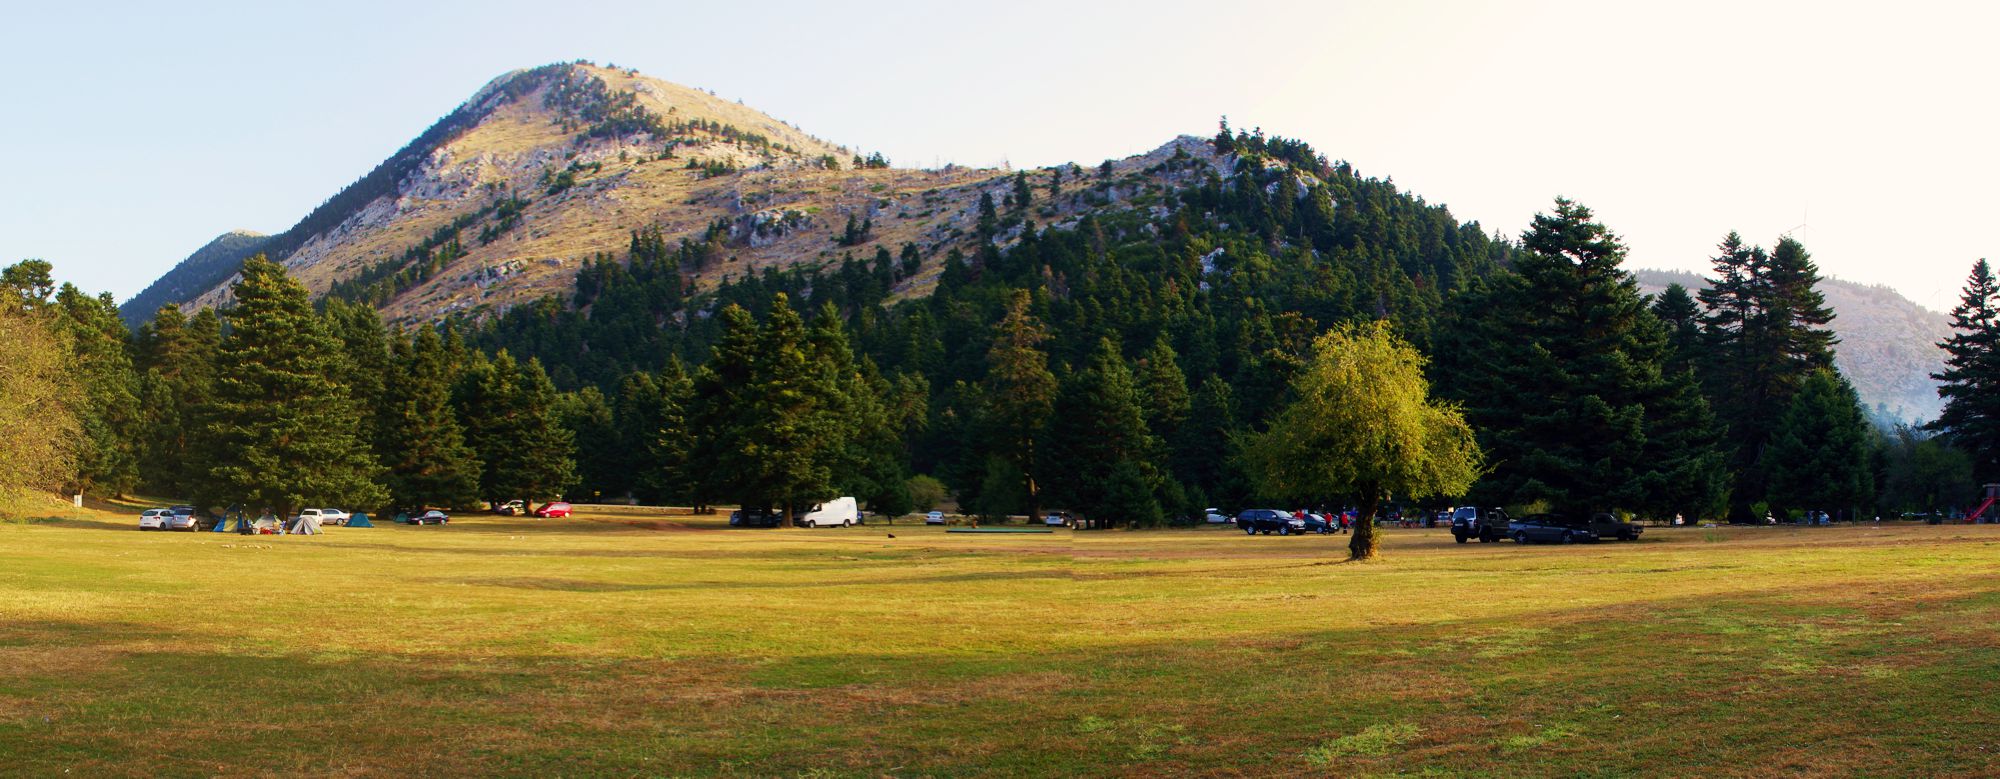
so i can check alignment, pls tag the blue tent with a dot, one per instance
(360, 519)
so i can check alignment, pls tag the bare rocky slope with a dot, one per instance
(1888, 344)
(502, 201)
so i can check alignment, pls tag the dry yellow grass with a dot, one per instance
(621, 644)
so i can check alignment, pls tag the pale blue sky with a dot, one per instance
(135, 133)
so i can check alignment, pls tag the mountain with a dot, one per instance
(1888, 344)
(506, 198)
(216, 260)
(544, 170)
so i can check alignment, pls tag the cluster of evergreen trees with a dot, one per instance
(1117, 367)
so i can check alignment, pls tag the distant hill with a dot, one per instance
(201, 271)
(1888, 344)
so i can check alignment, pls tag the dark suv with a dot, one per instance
(1553, 528)
(1470, 522)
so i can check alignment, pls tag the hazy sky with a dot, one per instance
(134, 134)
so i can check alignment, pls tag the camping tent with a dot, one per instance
(304, 525)
(360, 519)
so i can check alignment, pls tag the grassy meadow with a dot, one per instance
(629, 645)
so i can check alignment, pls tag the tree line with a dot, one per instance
(1135, 366)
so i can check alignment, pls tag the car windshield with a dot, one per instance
(1465, 513)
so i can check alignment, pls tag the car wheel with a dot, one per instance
(1567, 538)
(1460, 536)
(1325, 530)
(1248, 530)
(1626, 536)
(1284, 530)
(847, 523)
(1520, 537)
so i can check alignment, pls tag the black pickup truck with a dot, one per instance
(1470, 522)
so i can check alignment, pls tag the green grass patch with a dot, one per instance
(1372, 741)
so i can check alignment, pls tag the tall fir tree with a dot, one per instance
(600, 466)
(422, 444)
(1765, 329)
(1098, 448)
(1020, 393)
(512, 425)
(1970, 381)
(175, 356)
(727, 452)
(1819, 457)
(281, 432)
(1560, 368)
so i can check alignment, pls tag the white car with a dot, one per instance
(839, 512)
(934, 518)
(154, 519)
(1056, 519)
(326, 516)
(1218, 518)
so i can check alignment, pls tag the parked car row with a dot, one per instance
(839, 512)
(551, 509)
(173, 518)
(1492, 524)
(1284, 523)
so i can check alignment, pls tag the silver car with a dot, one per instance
(154, 519)
(182, 518)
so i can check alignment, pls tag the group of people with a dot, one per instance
(1341, 522)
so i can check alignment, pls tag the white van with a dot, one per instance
(839, 512)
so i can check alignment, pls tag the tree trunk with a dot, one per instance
(786, 520)
(1362, 545)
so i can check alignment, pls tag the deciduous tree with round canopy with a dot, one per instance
(1363, 425)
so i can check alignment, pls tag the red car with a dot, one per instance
(551, 510)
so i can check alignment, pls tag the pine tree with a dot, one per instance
(1567, 361)
(281, 432)
(989, 218)
(1970, 381)
(1163, 390)
(364, 344)
(175, 357)
(541, 462)
(771, 410)
(1198, 459)
(422, 444)
(1676, 309)
(1020, 392)
(1765, 331)
(600, 470)
(653, 428)
(1096, 427)
(1023, 194)
(1819, 455)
